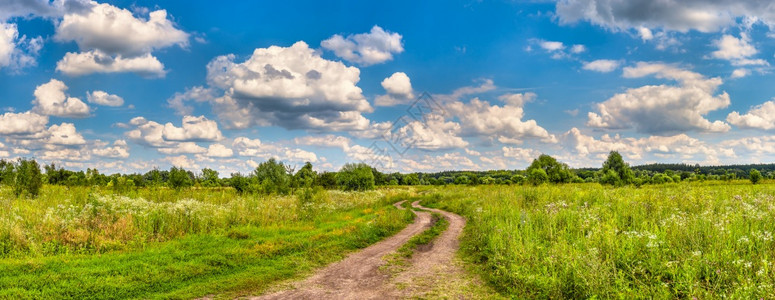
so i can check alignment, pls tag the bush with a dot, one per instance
(273, 177)
(555, 171)
(537, 176)
(755, 176)
(355, 177)
(28, 178)
(179, 178)
(616, 171)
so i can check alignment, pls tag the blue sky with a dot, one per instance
(126, 86)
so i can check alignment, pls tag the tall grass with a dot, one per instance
(588, 241)
(88, 243)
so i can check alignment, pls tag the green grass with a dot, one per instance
(703, 240)
(102, 246)
(438, 225)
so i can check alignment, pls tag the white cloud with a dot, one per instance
(65, 135)
(50, 99)
(551, 46)
(182, 161)
(115, 31)
(198, 129)
(255, 148)
(183, 148)
(737, 51)
(292, 87)
(17, 52)
(645, 34)
(323, 141)
(148, 133)
(375, 47)
(576, 49)
(197, 93)
(740, 73)
(759, 117)
(77, 64)
(601, 65)
(219, 150)
(25, 123)
(399, 90)
(434, 133)
(103, 98)
(485, 85)
(521, 154)
(673, 15)
(663, 109)
(501, 122)
(120, 149)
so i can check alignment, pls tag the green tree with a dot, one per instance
(355, 177)
(412, 179)
(179, 178)
(537, 176)
(615, 163)
(28, 179)
(755, 176)
(239, 182)
(272, 177)
(6, 172)
(210, 178)
(556, 172)
(305, 177)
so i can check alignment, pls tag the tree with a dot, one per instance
(239, 182)
(555, 171)
(327, 180)
(305, 177)
(210, 178)
(755, 176)
(412, 179)
(355, 177)
(179, 178)
(622, 174)
(273, 177)
(6, 172)
(537, 176)
(29, 179)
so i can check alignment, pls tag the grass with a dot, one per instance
(438, 225)
(702, 240)
(91, 244)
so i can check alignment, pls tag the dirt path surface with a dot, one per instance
(357, 276)
(433, 271)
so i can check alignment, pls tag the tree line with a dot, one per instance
(274, 177)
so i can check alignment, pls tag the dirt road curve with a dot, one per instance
(358, 276)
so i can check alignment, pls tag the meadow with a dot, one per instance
(91, 243)
(687, 240)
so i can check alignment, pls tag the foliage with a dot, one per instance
(616, 171)
(272, 177)
(179, 178)
(210, 178)
(355, 177)
(537, 176)
(28, 178)
(555, 171)
(755, 176)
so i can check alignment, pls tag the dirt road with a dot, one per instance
(434, 270)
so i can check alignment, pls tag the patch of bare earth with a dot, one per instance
(433, 271)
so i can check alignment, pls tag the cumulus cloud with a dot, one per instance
(375, 47)
(103, 98)
(198, 129)
(65, 135)
(25, 123)
(116, 31)
(521, 154)
(17, 52)
(737, 50)
(50, 99)
(328, 140)
(399, 90)
(663, 109)
(120, 149)
(219, 150)
(433, 133)
(504, 123)
(183, 148)
(673, 15)
(759, 117)
(77, 64)
(255, 148)
(601, 65)
(112, 39)
(198, 94)
(147, 133)
(292, 87)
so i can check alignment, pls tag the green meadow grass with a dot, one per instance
(89, 244)
(702, 240)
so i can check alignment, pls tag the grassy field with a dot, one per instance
(83, 243)
(703, 240)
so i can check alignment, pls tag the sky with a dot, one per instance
(127, 86)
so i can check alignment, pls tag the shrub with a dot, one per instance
(179, 178)
(555, 171)
(28, 178)
(273, 177)
(755, 176)
(355, 177)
